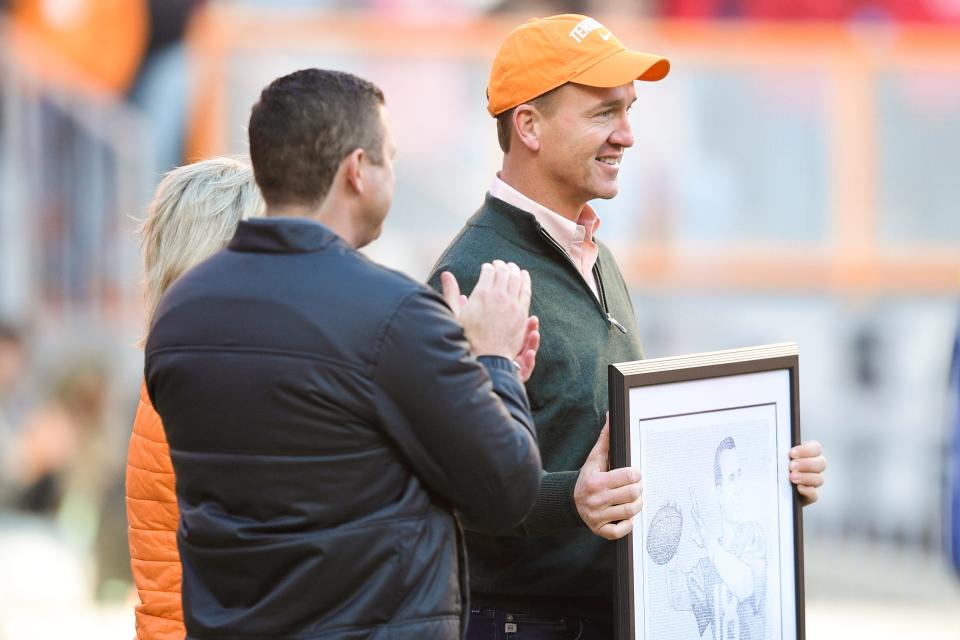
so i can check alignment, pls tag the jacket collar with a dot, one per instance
(282, 235)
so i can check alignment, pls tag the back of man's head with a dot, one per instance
(304, 125)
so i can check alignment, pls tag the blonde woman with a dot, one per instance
(194, 214)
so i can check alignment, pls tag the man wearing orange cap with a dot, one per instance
(560, 89)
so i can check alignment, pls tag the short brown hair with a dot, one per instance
(302, 128)
(543, 103)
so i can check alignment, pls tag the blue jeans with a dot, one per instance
(499, 624)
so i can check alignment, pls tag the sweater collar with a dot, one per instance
(565, 231)
(282, 235)
(511, 222)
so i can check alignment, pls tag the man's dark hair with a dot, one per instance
(302, 128)
(543, 103)
(726, 443)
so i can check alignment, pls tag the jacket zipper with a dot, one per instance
(602, 301)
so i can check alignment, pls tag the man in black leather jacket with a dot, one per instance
(327, 416)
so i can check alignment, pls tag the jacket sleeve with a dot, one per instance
(464, 426)
(553, 509)
(152, 517)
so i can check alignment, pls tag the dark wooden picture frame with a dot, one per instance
(703, 382)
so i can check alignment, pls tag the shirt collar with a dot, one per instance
(558, 226)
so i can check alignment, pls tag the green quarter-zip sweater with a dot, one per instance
(552, 561)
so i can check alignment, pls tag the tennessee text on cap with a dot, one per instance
(544, 53)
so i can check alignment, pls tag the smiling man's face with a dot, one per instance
(583, 137)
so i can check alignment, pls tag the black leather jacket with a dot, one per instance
(325, 420)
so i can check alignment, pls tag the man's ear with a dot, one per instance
(526, 126)
(351, 168)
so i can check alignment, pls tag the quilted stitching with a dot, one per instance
(153, 516)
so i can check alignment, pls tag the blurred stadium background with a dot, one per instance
(795, 178)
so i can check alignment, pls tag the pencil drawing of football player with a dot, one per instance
(726, 588)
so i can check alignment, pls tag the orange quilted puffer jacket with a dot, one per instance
(152, 517)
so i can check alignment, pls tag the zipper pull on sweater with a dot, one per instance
(614, 322)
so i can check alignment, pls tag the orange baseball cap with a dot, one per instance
(544, 53)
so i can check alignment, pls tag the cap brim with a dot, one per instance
(623, 67)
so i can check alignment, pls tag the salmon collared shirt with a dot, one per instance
(575, 238)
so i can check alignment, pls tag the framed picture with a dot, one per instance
(717, 551)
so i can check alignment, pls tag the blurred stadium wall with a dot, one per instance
(790, 181)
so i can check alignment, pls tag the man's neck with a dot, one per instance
(532, 185)
(328, 213)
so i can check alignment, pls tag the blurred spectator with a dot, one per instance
(89, 44)
(62, 448)
(69, 471)
(98, 100)
(161, 89)
(71, 145)
(13, 358)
